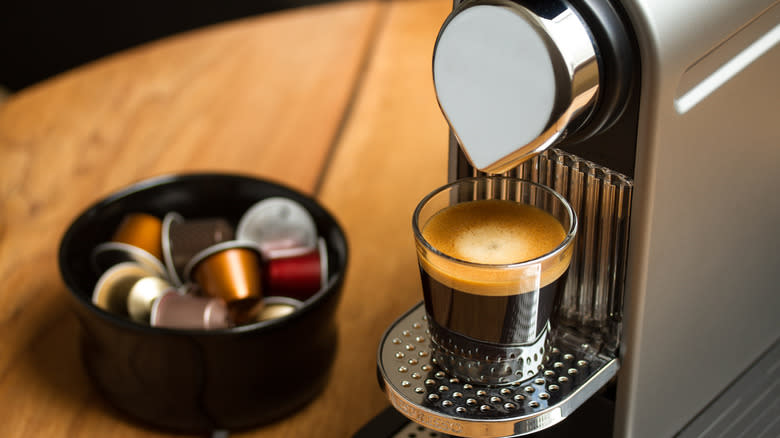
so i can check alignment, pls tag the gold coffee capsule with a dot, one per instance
(277, 307)
(228, 270)
(174, 310)
(142, 296)
(141, 230)
(113, 287)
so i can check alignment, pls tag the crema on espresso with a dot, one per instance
(472, 291)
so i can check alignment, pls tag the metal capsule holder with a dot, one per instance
(586, 325)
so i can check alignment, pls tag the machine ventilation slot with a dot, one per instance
(593, 298)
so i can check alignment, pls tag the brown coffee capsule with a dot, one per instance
(228, 270)
(175, 310)
(245, 311)
(183, 239)
(142, 296)
(277, 307)
(113, 288)
(299, 276)
(280, 227)
(141, 230)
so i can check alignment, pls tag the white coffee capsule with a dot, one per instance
(281, 227)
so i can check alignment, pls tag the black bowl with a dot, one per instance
(198, 380)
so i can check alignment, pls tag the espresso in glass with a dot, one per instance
(493, 254)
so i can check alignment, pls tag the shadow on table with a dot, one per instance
(56, 376)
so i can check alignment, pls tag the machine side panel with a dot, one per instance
(754, 394)
(702, 301)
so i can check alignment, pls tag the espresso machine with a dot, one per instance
(657, 121)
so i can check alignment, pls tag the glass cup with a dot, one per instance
(493, 253)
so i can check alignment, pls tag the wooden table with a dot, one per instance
(336, 101)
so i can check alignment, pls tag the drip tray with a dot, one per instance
(425, 394)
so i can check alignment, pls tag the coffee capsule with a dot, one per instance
(245, 311)
(108, 254)
(141, 230)
(167, 223)
(175, 310)
(281, 227)
(183, 239)
(277, 307)
(228, 270)
(299, 276)
(113, 287)
(142, 296)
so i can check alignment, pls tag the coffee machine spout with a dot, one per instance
(515, 78)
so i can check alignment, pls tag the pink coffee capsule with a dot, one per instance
(299, 276)
(175, 310)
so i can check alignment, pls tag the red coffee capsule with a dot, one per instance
(174, 310)
(299, 276)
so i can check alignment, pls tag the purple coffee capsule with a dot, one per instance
(174, 310)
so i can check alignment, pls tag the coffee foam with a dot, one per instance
(494, 232)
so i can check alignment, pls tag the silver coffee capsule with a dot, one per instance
(281, 227)
(113, 288)
(142, 296)
(167, 222)
(108, 254)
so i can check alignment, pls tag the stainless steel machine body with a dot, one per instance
(675, 277)
(702, 296)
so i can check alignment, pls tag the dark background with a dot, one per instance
(39, 39)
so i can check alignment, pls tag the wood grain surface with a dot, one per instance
(335, 100)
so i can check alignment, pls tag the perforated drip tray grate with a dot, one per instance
(428, 396)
